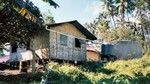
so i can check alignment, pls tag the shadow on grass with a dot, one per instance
(140, 79)
(24, 78)
(96, 67)
(125, 79)
(54, 77)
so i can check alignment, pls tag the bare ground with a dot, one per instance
(16, 77)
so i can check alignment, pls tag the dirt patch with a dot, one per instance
(15, 77)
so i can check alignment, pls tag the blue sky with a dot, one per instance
(81, 10)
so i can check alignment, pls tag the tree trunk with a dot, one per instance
(33, 62)
(113, 21)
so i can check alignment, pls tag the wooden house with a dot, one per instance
(68, 41)
(63, 41)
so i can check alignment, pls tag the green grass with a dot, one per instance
(136, 71)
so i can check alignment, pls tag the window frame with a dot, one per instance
(63, 40)
(78, 43)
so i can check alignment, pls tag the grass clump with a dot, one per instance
(135, 71)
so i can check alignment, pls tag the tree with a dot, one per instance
(120, 9)
(52, 3)
(17, 28)
(47, 18)
(108, 12)
(117, 8)
(27, 10)
(99, 27)
(142, 15)
(26, 4)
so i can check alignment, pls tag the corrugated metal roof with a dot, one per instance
(81, 28)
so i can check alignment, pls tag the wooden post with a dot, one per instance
(20, 65)
(34, 55)
(33, 62)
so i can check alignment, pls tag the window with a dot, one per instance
(63, 40)
(77, 43)
(14, 48)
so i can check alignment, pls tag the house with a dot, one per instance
(67, 41)
(63, 41)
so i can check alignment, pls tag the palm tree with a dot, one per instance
(142, 14)
(109, 7)
(124, 7)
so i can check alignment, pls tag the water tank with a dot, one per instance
(106, 49)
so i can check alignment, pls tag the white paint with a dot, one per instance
(21, 56)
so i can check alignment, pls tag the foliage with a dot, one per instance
(17, 24)
(18, 4)
(58, 73)
(51, 2)
(118, 72)
(47, 17)
(28, 5)
(116, 34)
(105, 33)
(14, 27)
(116, 18)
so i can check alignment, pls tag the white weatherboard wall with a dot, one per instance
(127, 50)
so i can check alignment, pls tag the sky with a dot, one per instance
(81, 10)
